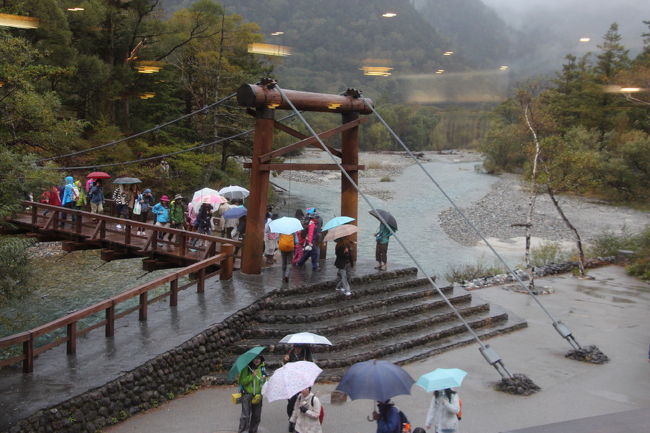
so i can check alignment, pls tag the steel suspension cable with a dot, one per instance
(155, 128)
(487, 352)
(558, 325)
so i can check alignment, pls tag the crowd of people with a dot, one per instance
(306, 413)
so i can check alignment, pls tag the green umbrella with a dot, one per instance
(243, 360)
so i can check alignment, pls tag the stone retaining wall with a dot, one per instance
(172, 373)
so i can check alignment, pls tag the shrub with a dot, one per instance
(466, 272)
(15, 269)
(608, 243)
(548, 252)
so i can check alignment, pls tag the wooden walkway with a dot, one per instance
(118, 238)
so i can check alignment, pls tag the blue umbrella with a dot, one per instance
(375, 380)
(441, 378)
(235, 212)
(285, 225)
(337, 221)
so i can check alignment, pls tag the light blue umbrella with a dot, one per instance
(285, 225)
(441, 378)
(337, 221)
(235, 212)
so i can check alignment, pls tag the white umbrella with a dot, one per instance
(234, 192)
(305, 338)
(290, 379)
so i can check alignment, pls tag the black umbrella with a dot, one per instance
(386, 216)
(375, 380)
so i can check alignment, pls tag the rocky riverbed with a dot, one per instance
(507, 204)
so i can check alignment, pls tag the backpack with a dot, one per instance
(286, 243)
(322, 410)
(405, 425)
(459, 414)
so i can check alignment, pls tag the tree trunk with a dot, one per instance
(581, 254)
(532, 199)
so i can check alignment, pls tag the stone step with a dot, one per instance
(342, 305)
(384, 341)
(326, 286)
(376, 326)
(308, 300)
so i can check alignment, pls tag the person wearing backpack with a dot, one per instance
(388, 418)
(307, 413)
(312, 240)
(443, 411)
(286, 245)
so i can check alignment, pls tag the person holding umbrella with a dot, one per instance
(251, 380)
(388, 419)
(381, 249)
(443, 411)
(344, 263)
(306, 413)
(96, 196)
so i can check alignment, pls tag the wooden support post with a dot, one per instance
(72, 338)
(259, 186)
(28, 353)
(182, 244)
(228, 264)
(78, 223)
(102, 229)
(110, 321)
(143, 307)
(323, 250)
(349, 194)
(127, 234)
(154, 240)
(173, 296)
(200, 281)
(34, 215)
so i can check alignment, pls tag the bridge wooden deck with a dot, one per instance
(118, 238)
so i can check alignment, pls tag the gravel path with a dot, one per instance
(507, 204)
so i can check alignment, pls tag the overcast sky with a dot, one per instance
(589, 17)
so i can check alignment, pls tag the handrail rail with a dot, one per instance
(129, 222)
(225, 259)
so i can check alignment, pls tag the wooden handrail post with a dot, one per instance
(72, 338)
(55, 220)
(28, 353)
(143, 306)
(127, 234)
(173, 297)
(110, 321)
(78, 223)
(200, 282)
(182, 244)
(228, 264)
(34, 215)
(102, 230)
(154, 240)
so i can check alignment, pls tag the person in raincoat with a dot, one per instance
(344, 263)
(70, 196)
(381, 250)
(81, 199)
(306, 413)
(146, 201)
(251, 379)
(177, 213)
(442, 413)
(388, 419)
(203, 222)
(312, 240)
(96, 196)
(161, 210)
(270, 241)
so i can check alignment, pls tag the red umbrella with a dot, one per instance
(98, 175)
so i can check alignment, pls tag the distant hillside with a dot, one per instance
(475, 30)
(331, 40)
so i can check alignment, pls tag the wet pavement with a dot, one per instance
(592, 309)
(58, 377)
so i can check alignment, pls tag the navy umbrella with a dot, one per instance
(390, 219)
(375, 380)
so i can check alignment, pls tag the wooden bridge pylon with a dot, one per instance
(265, 99)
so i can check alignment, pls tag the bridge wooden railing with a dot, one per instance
(70, 322)
(98, 227)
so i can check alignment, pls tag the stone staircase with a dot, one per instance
(393, 316)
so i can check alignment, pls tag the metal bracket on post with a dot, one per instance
(494, 360)
(565, 332)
